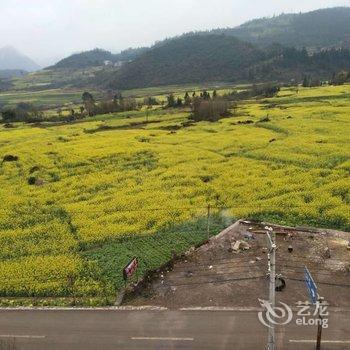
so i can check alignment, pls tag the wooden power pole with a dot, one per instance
(271, 240)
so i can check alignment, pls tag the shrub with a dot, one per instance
(31, 180)
(210, 110)
(9, 115)
(264, 119)
(23, 113)
(10, 158)
(34, 169)
(266, 90)
(150, 101)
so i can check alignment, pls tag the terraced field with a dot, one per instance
(84, 198)
(43, 99)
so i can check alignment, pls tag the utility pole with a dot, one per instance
(208, 222)
(271, 241)
(319, 329)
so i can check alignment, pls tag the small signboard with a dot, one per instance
(311, 286)
(130, 268)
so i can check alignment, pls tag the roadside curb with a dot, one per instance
(156, 308)
(251, 309)
(111, 308)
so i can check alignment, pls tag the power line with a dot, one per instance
(305, 259)
(319, 282)
(208, 275)
(239, 269)
(220, 281)
(328, 274)
(302, 267)
(216, 264)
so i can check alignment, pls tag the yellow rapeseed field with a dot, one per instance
(114, 187)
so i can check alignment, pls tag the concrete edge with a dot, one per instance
(111, 308)
(251, 309)
(225, 231)
(156, 308)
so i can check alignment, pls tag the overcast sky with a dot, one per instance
(47, 30)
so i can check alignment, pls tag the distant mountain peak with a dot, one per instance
(8, 48)
(11, 58)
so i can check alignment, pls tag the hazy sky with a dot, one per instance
(50, 29)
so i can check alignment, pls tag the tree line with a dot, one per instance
(117, 104)
(28, 113)
(204, 106)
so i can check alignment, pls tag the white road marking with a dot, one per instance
(161, 338)
(323, 341)
(221, 308)
(22, 336)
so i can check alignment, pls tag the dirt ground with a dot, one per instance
(216, 275)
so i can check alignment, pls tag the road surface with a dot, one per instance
(160, 330)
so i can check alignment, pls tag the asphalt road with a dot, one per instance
(160, 330)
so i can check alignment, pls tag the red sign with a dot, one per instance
(130, 268)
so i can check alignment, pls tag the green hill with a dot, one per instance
(211, 57)
(96, 58)
(194, 58)
(85, 59)
(318, 29)
(259, 50)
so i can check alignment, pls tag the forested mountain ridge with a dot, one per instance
(84, 59)
(282, 48)
(197, 57)
(213, 57)
(315, 30)
(324, 28)
(96, 57)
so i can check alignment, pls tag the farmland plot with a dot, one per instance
(82, 199)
